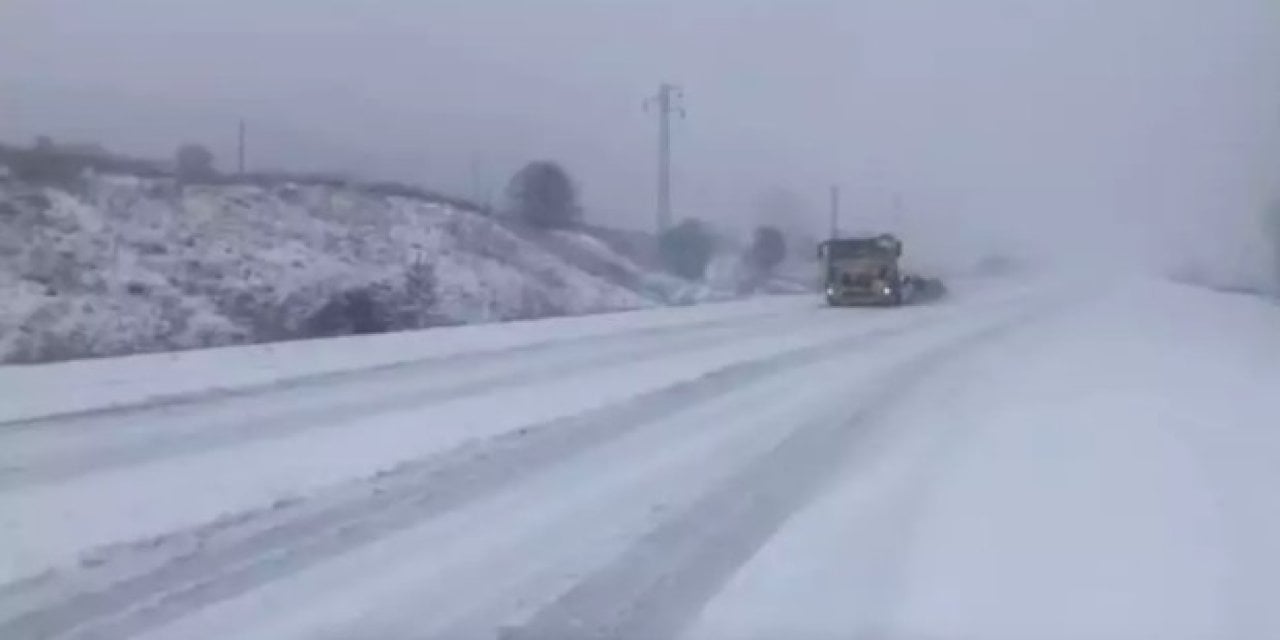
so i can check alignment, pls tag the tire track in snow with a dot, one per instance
(661, 584)
(112, 599)
(75, 419)
(237, 430)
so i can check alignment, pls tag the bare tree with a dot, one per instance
(194, 162)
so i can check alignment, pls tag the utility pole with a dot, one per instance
(835, 211)
(666, 102)
(240, 149)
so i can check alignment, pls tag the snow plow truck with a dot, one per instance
(866, 271)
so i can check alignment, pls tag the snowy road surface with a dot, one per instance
(1025, 460)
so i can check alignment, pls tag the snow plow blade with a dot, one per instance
(924, 290)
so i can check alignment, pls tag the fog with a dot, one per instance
(1086, 131)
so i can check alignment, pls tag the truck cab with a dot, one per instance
(862, 270)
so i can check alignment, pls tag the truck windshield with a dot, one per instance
(857, 249)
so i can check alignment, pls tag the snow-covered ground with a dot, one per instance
(40, 391)
(1027, 459)
(1108, 472)
(120, 265)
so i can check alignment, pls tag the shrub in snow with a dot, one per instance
(40, 167)
(420, 297)
(686, 249)
(349, 312)
(194, 163)
(543, 195)
(406, 301)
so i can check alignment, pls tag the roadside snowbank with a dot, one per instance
(35, 391)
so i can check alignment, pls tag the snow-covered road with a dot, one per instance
(1023, 460)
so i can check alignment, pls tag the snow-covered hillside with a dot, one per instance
(598, 258)
(126, 264)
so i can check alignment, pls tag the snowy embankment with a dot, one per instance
(40, 391)
(127, 265)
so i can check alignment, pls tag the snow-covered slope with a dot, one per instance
(597, 257)
(125, 265)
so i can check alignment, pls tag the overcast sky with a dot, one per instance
(1147, 123)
